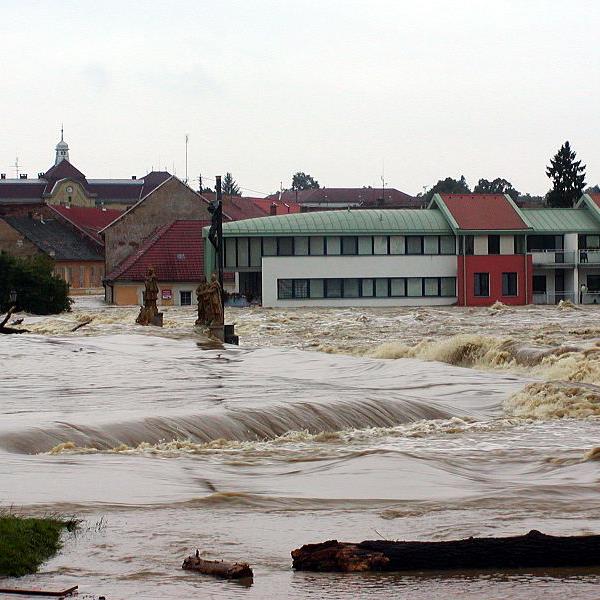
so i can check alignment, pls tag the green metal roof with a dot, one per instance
(561, 220)
(344, 222)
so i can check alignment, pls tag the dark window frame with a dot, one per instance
(506, 284)
(496, 244)
(181, 293)
(478, 284)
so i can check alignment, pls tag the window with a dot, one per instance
(482, 284)
(300, 288)
(519, 244)
(365, 245)
(431, 286)
(448, 286)
(431, 244)
(381, 288)
(351, 288)
(255, 252)
(243, 252)
(230, 252)
(396, 244)
(593, 283)
(285, 246)
(333, 288)
(269, 246)
(414, 286)
(493, 244)
(397, 287)
(316, 288)
(414, 244)
(447, 244)
(539, 284)
(349, 245)
(316, 245)
(185, 298)
(285, 288)
(380, 244)
(367, 288)
(509, 284)
(469, 244)
(301, 246)
(333, 245)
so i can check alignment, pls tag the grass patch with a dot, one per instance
(25, 542)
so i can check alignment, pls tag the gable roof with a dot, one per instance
(236, 208)
(175, 251)
(63, 170)
(481, 212)
(54, 238)
(343, 222)
(88, 220)
(281, 207)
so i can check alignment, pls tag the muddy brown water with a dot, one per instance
(426, 424)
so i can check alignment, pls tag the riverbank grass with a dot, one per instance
(26, 542)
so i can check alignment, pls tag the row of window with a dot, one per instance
(466, 244)
(481, 284)
(380, 287)
(247, 252)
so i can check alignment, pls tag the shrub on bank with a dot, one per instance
(25, 543)
(39, 290)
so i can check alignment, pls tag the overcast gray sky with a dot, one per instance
(334, 88)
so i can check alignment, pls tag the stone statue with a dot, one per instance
(149, 314)
(203, 319)
(210, 303)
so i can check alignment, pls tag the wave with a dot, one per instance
(569, 363)
(245, 424)
(554, 400)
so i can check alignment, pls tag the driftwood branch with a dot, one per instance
(62, 593)
(526, 551)
(218, 568)
(4, 329)
(82, 324)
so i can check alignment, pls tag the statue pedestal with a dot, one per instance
(217, 331)
(224, 333)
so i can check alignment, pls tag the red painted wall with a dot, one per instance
(495, 265)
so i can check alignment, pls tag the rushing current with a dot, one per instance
(421, 424)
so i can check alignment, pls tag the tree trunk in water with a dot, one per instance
(526, 551)
(217, 568)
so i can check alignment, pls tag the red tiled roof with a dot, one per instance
(485, 212)
(90, 220)
(365, 197)
(282, 208)
(595, 198)
(175, 251)
(237, 208)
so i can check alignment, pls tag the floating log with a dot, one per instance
(62, 593)
(218, 568)
(8, 330)
(532, 550)
(82, 324)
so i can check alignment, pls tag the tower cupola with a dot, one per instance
(62, 149)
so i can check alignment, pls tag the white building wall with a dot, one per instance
(315, 267)
(507, 244)
(480, 245)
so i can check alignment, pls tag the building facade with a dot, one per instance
(470, 250)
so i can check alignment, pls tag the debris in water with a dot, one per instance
(218, 568)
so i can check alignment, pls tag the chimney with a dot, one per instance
(41, 175)
(134, 177)
(23, 176)
(2, 175)
(273, 209)
(380, 201)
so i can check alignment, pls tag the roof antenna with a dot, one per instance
(16, 166)
(187, 139)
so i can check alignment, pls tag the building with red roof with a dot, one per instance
(89, 221)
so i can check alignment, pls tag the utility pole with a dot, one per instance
(16, 166)
(187, 139)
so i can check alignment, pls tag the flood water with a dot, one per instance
(422, 424)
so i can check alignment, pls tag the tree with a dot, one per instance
(39, 290)
(229, 186)
(568, 178)
(304, 181)
(449, 186)
(497, 186)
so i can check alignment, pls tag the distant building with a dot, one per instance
(465, 249)
(77, 259)
(341, 198)
(64, 185)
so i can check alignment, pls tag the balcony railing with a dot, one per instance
(589, 257)
(550, 258)
(552, 298)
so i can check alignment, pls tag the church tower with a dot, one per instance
(62, 149)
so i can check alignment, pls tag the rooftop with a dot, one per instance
(346, 222)
(54, 238)
(481, 212)
(90, 220)
(561, 220)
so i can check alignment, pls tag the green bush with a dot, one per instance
(39, 290)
